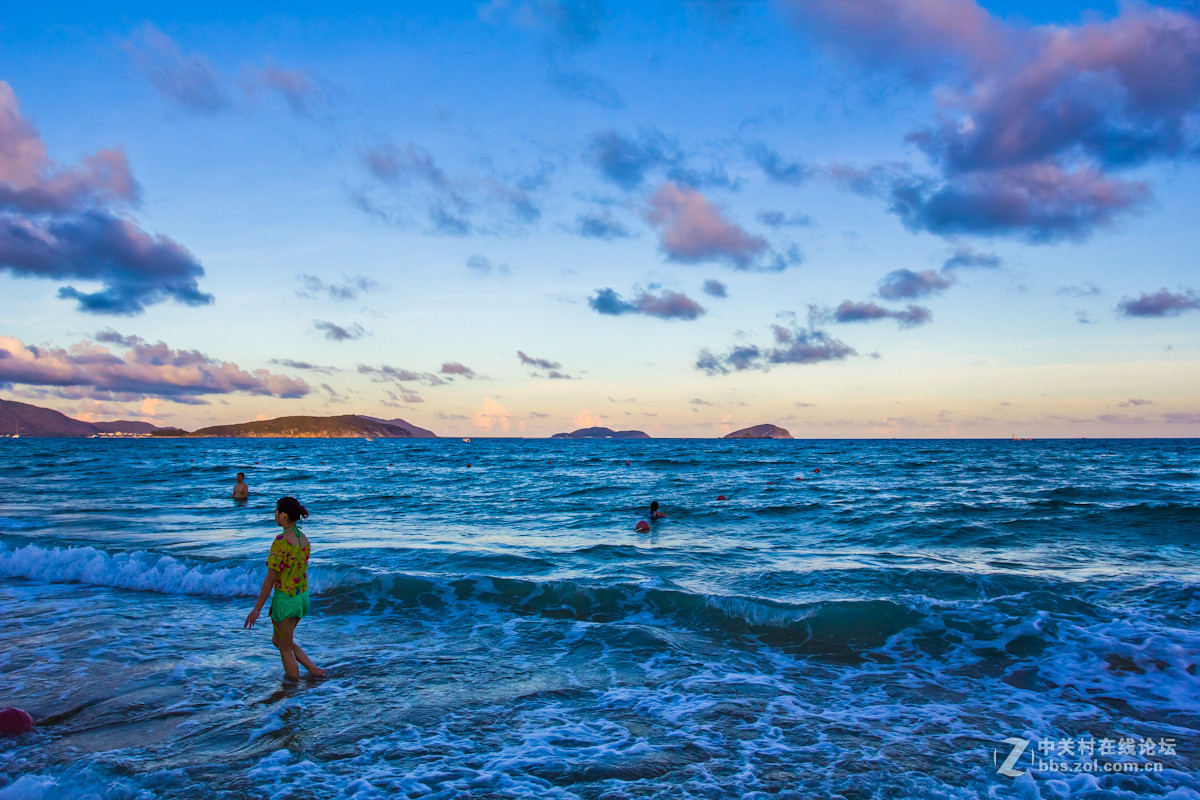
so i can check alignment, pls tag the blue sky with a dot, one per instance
(914, 219)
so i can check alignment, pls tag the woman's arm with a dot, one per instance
(263, 594)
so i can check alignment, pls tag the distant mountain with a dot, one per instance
(760, 432)
(601, 433)
(29, 420)
(126, 426)
(417, 433)
(344, 427)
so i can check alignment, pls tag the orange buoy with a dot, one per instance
(627, 463)
(642, 526)
(468, 465)
(818, 469)
(722, 497)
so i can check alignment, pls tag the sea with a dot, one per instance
(855, 619)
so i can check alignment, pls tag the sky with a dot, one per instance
(886, 218)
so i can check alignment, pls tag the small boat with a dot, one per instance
(466, 439)
(368, 438)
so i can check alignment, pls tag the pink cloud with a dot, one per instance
(31, 182)
(1120, 91)
(1042, 202)
(298, 88)
(1051, 109)
(692, 229)
(910, 317)
(919, 36)
(189, 81)
(62, 222)
(1162, 303)
(145, 369)
(904, 283)
(666, 305)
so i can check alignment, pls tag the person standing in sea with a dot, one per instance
(240, 489)
(287, 574)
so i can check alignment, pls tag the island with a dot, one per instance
(764, 431)
(346, 426)
(601, 433)
(417, 433)
(25, 420)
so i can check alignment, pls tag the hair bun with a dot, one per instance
(291, 506)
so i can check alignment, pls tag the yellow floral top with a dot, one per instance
(291, 562)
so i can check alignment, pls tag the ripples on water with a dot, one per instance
(858, 619)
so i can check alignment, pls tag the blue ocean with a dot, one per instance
(857, 619)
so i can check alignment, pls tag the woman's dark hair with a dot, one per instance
(291, 506)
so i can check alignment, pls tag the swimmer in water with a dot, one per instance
(287, 573)
(240, 489)
(655, 513)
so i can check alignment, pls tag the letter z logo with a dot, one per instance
(1018, 748)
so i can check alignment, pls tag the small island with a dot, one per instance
(347, 426)
(601, 433)
(765, 431)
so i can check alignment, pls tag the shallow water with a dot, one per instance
(495, 627)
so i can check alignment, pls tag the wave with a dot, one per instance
(829, 627)
(145, 572)
(11, 524)
(833, 626)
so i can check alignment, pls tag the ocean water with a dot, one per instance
(856, 620)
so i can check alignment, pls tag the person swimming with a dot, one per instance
(287, 574)
(240, 489)
(655, 513)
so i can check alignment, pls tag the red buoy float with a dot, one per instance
(14, 721)
(722, 497)
(642, 526)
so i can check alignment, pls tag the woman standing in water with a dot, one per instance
(287, 573)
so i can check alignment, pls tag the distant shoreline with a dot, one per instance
(477, 438)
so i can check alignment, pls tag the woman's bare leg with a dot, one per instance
(306, 661)
(284, 631)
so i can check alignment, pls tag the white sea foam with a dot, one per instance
(150, 572)
(139, 570)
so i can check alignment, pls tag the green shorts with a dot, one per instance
(284, 606)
